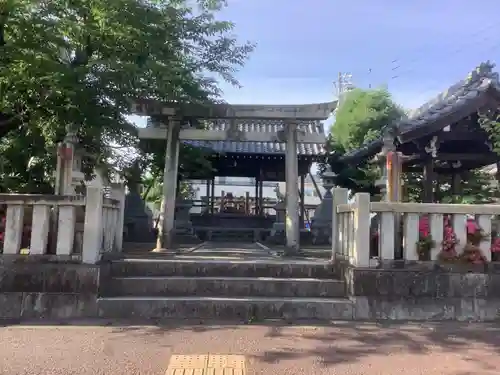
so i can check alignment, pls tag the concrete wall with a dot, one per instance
(425, 293)
(51, 290)
(422, 292)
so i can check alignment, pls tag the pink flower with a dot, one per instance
(495, 247)
(423, 226)
(472, 226)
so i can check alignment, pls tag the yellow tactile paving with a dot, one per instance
(207, 364)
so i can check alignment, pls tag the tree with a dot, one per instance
(362, 116)
(475, 188)
(81, 63)
(360, 119)
(153, 191)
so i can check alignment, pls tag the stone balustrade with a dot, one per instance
(400, 228)
(64, 226)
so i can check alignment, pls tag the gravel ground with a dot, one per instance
(340, 348)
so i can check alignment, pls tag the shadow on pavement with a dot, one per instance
(332, 343)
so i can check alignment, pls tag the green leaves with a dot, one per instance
(82, 62)
(490, 121)
(362, 116)
(359, 120)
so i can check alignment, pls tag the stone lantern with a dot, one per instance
(278, 230)
(77, 176)
(321, 223)
(65, 170)
(182, 223)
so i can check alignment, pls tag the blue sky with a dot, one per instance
(415, 48)
(303, 44)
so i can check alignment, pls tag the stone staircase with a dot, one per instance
(245, 290)
(247, 235)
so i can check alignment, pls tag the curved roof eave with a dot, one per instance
(465, 96)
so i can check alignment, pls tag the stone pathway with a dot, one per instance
(88, 348)
(230, 250)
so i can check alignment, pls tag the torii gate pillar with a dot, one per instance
(292, 228)
(170, 172)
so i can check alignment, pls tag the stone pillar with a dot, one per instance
(292, 199)
(321, 223)
(93, 226)
(302, 199)
(394, 167)
(207, 198)
(257, 195)
(64, 169)
(383, 183)
(212, 195)
(166, 233)
(118, 192)
(261, 196)
(247, 202)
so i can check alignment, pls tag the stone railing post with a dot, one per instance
(40, 228)
(339, 196)
(92, 230)
(66, 226)
(359, 255)
(13, 229)
(118, 193)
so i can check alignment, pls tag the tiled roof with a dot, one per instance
(307, 149)
(460, 95)
(309, 127)
(455, 97)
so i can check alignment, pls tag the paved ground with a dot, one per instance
(228, 251)
(207, 249)
(341, 348)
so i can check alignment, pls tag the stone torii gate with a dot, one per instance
(177, 125)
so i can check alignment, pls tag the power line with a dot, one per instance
(422, 54)
(437, 85)
(476, 33)
(397, 74)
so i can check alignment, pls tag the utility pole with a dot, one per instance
(343, 85)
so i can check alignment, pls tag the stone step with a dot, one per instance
(228, 308)
(223, 286)
(232, 235)
(224, 238)
(223, 268)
